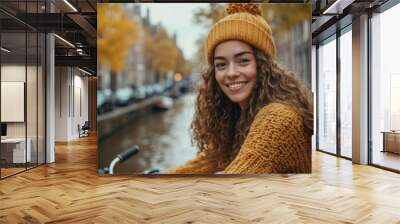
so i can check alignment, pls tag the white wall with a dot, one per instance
(33, 126)
(61, 103)
(12, 73)
(12, 101)
(80, 105)
(71, 94)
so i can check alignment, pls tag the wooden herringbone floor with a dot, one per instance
(70, 191)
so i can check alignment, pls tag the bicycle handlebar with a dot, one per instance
(122, 157)
(128, 153)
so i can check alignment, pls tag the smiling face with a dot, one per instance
(235, 70)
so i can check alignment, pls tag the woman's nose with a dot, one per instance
(232, 71)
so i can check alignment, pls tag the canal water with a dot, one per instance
(163, 139)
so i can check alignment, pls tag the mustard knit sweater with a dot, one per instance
(276, 143)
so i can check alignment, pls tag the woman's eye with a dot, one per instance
(220, 66)
(244, 61)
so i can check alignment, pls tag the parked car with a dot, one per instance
(158, 89)
(184, 86)
(140, 93)
(135, 93)
(149, 90)
(169, 83)
(104, 101)
(123, 96)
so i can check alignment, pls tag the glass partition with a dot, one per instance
(22, 90)
(14, 153)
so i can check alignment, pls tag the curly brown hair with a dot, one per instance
(220, 126)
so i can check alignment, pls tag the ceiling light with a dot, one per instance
(71, 6)
(5, 49)
(65, 41)
(86, 72)
(337, 7)
(79, 51)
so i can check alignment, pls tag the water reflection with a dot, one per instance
(163, 138)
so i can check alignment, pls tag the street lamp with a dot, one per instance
(178, 77)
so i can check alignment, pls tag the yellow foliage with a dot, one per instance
(160, 51)
(149, 50)
(282, 17)
(116, 33)
(182, 66)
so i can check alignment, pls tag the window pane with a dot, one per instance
(385, 89)
(327, 97)
(345, 94)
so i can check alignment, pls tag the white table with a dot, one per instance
(18, 149)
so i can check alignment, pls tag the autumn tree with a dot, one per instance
(161, 52)
(210, 15)
(166, 56)
(206, 17)
(182, 65)
(280, 17)
(149, 50)
(115, 35)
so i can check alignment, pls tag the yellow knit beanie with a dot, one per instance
(244, 22)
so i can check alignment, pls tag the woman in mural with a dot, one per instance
(252, 115)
